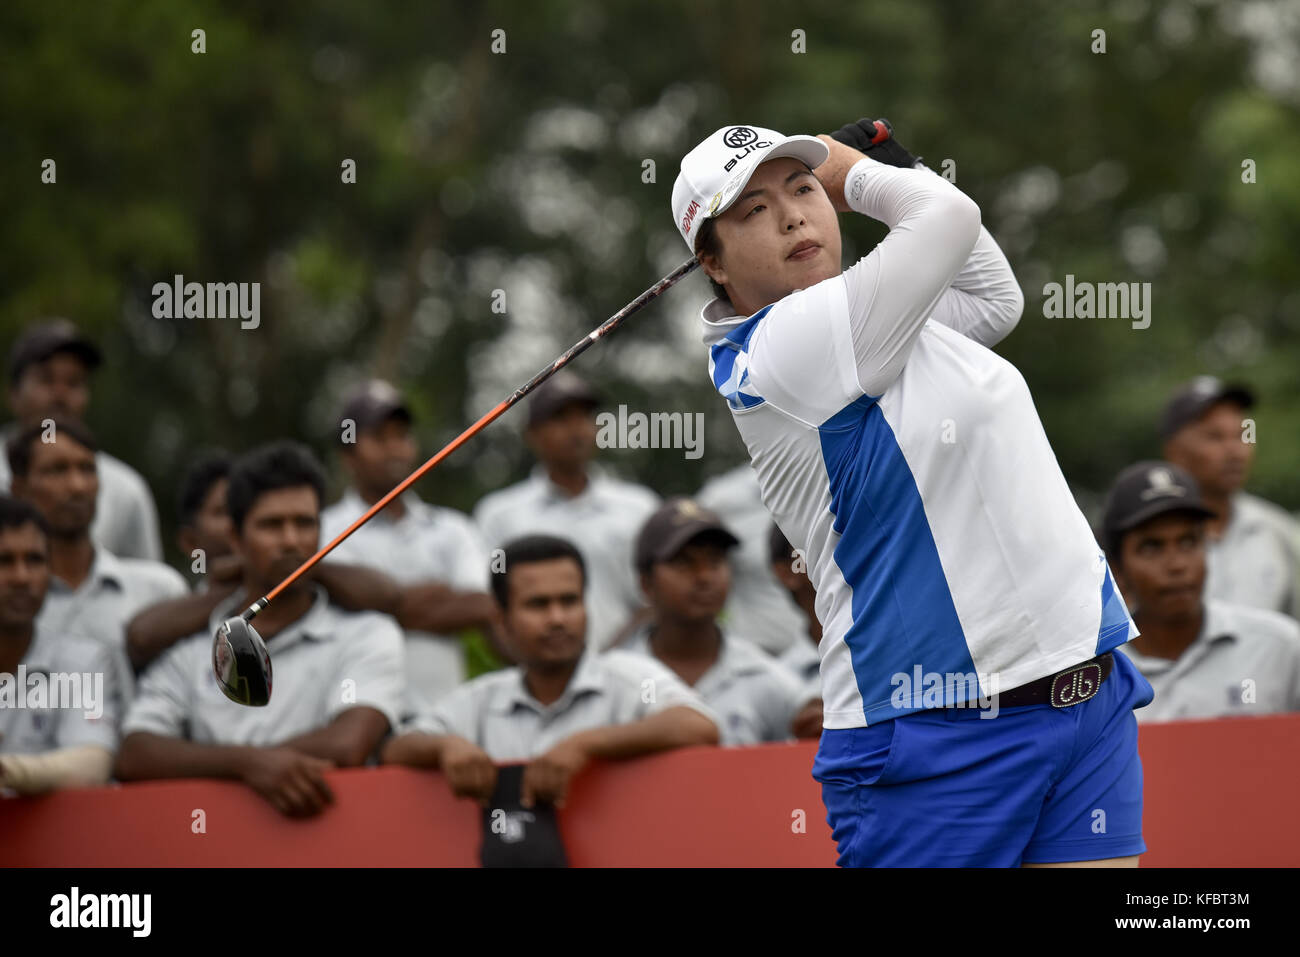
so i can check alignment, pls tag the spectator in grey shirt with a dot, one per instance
(569, 496)
(49, 377)
(92, 593)
(338, 675)
(1203, 658)
(435, 553)
(205, 534)
(564, 705)
(1251, 545)
(63, 732)
(681, 555)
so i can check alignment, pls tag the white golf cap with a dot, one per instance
(715, 171)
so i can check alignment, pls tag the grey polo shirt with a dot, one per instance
(429, 543)
(1240, 653)
(758, 607)
(602, 521)
(325, 663)
(1256, 563)
(755, 697)
(498, 713)
(106, 601)
(126, 518)
(70, 711)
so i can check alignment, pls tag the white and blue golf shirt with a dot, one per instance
(908, 461)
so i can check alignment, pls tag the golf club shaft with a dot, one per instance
(609, 325)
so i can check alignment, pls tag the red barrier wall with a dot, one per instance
(1218, 793)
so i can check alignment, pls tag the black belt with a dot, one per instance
(1061, 690)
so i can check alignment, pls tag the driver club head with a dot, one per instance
(241, 663)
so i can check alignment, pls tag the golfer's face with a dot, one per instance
(766, 232)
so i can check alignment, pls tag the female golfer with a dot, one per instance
(974, 713)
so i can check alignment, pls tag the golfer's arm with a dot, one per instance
(359, 588)
(892, 291)
(348, 740)
(984, 301)
(144, 756)
(160, 626)
(677, 727)
(433, 606)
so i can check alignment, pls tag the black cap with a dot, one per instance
(1194, 399)
(374, 403)
(676, 523)
(562, 389)
(1145, 491)
(42, 340)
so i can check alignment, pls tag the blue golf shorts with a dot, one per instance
(947, 788)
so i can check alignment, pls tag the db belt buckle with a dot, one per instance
(1076, 684)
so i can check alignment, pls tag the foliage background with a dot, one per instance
(523, 171)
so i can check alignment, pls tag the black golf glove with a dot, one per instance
(875, 138)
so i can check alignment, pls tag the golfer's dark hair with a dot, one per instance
(19, 449)
(202, 473)
(527, 550)
(269, 468)
(17, 512)
(709, 242)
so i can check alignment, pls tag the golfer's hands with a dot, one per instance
(292, 781)
(833, 172)
(546, 779)
(468, 770)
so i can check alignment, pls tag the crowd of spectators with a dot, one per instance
(625, 624)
